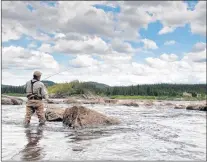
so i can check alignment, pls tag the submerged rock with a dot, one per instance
(111, 101)
(131, 104)
(54, 114)
(70, 101)
(94, 101)
(79, 116)
(203, 108)
(9, 100)
(179, 107)
(55, 102)
(148, 103)
(197, 107)
(169, 104)
(128, 103)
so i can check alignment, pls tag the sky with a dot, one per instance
(111, 42)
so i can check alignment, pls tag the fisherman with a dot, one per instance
(36, 91)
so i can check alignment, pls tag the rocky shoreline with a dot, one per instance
(76, 115)
(10, 100)
(188, 105)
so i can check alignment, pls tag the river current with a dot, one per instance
(145, 133)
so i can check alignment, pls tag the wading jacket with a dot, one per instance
(36, 90)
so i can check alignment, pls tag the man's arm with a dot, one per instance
(44, 92)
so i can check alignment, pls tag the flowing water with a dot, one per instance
(146, 133)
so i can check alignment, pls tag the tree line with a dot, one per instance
(13, 89)
(157, 90)
(77, 87)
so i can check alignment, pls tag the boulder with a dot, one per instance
(197, 107)
(9, 100)
(131, 104)
(55, 101)
(70, 101)
(179, 107)
(192, 107)
(203, 108)
(128, 103)
(169, 104)
(6, 101)
(110, 101)
(54, 114)
(89, 102)
(93, 101)
(148, 103)
(79, 116)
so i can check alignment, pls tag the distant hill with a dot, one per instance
(98, 85)
(48, 83)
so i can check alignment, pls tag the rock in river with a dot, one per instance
(179, 107)
(79, 116)
(9, 100)
(128, 103)
(54, 114)
(197, 107)
(70, 101)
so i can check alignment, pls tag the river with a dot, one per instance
(152, 133)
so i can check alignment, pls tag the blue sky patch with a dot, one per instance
(191, 4)
(108, 8)
(49, 3)
(30, 8)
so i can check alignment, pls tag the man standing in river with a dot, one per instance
(36, 91)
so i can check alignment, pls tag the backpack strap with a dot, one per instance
(33, 95)
(32, 85)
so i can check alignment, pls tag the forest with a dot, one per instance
(76, 87)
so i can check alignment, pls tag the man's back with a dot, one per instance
(35, 87)
(36, 91)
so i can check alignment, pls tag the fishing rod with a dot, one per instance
(61, 72)
(55, 74)
(44, 78)
(49, 76)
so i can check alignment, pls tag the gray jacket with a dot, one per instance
(38, 88)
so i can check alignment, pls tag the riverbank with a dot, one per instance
(14, 94)
(159, 98)
(123, 97)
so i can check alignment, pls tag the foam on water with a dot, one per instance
(153, 133)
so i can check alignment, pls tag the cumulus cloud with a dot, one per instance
(89, 45)
(20, 58)
(122, 70)
(149, 44)
(55, 18)
(132, 17)
(169, 58)
(45, 48)
(147, 12)
(83, 61)
(80, 29)
(198, 20)
(171, 42)
(121, 46)
(166, 29)
(196, 56)
(200, 46)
